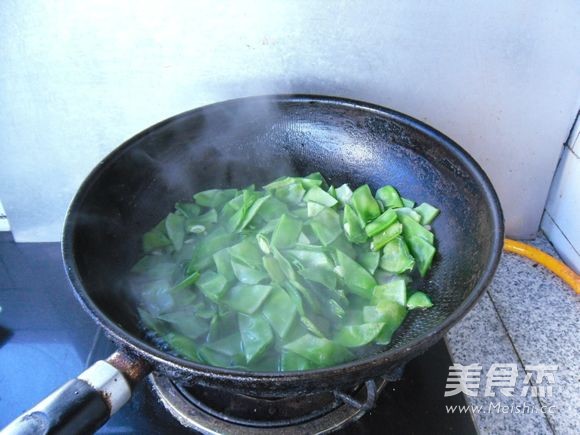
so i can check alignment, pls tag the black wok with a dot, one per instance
(254, 140)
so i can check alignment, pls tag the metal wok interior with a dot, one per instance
(254, 140)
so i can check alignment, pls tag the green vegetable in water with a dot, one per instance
(297, 276)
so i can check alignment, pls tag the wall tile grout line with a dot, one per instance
(563, 233)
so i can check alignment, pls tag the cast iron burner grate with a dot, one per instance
(215, 411)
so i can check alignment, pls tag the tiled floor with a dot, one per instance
(528, 316)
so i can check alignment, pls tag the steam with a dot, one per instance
(219, 146)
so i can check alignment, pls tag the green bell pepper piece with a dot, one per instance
(365, 204)
(412, 228)
(321, 351)
(214, 198)
(419, 300)
(326, 226)
(187, 209)
(422, 251)
(212, 243)
(313, 208)
(370, 261)
(247, 274)
(230, 345)
(212, 285)
(223, 264)
(156, 238)
(311, 256)
(284, 264)
(336, 309)
(280, 311)
(247, 252)
(273, 269)
(388, 312)
(252, 211)
(356, 277)
(290, 361)
(249, 197)
(332, 191)
(323, 276)
(199, 224)
(152, 322)
(186, 282)
(381, 223)
(256, 335)
(272, 209)
(344, 194)
(187, 323)
(358, 335)
(291, 194)
(315, 177)
(319, 196)
(389, 197)
(246, 298)
(353, 225)
(380, 240)
(428, 213)
(396, 257)
(394, 290)
(182, 345)
(286, 232)
(409, 212)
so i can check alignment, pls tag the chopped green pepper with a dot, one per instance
(358, 335)
(280, 311)
(214, 198)
(320, 351)
(319, 196)
(428, 213)
(388, 312)
(353, 225)
(286, 232)
(419, 300)
(394, 290)
(389, 197)
(423, 252)
(386, 236)
(412, 228)
(213, 285)
(256, 335)
(381, 223)
(285, 278)
(365, 205)
(396, 257)
(356, 277)
(326, 226)
(246, 298)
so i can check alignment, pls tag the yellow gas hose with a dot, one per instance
(549, 262)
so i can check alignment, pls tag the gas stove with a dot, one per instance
(46, 338)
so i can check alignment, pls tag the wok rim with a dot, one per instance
(413, 347)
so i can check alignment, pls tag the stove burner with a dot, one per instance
(214, 411)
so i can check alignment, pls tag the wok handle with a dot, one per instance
(85, 403)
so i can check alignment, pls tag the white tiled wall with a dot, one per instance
(561, 221)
